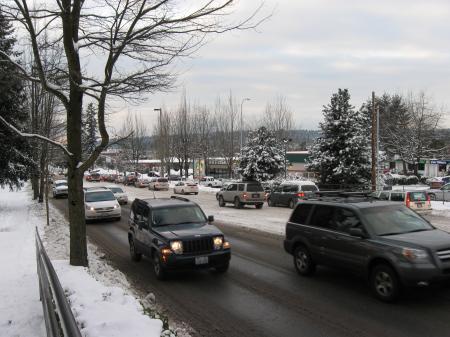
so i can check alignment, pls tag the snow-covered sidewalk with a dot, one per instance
(20, 309)
(100, 297)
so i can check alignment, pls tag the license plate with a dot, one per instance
(255, 195)
(419, 205)
(201, 260)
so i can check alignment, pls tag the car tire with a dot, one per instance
(384, 283)
(270, 203)
(237, 203)
(158, 268)
(118, 218)
(209, 185)
(259, 206)
(303, 261)
(182, 192)
(195, 193)
(135, 255)
(221, 201)
(222, 268)
(432, 196)
(291, 204)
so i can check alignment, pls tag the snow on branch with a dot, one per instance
(36, 136)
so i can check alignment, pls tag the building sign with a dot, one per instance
(440, 162)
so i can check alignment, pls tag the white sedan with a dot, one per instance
(60, 188)
(119, 193)
(185, 187)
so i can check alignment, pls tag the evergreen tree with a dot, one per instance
(89, 136)
(263, 157)
(340, 156)
(15, 159)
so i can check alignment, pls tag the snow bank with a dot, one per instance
(440, 209)
(103, 311)
(20, 309)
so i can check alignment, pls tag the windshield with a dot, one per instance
(392, 220)
(60, 184)
(116, 189)
(99, 196)
(254, 188)
(162, 180)
(177, 215)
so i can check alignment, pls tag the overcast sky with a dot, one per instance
(308, 49)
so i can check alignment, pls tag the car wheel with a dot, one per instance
(182, 192)
(222, 268)
(135, 255)
(118, 218)
(384, 283)
(270, 203)
(432, 197)
(195, 193)
(158, 267)
(259, 206)
(237, 203)
(291, 204)
(209, 185)
(303, 262)
(221, 202)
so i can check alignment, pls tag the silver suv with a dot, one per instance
(241, 194)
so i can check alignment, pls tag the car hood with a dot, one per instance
(434, 239)
(187, 231)
(120, 195)
(101, 204)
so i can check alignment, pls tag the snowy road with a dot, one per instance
(261, 295)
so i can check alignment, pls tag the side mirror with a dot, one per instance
(210, 218)
(357, 232)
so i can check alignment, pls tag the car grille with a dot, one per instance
(201, 245)
(104, 209)
(444, 254)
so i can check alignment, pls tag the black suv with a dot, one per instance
(389, 244)
(175, 233)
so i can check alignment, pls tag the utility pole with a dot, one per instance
(162, 147)
(374, 144)
(243, 100)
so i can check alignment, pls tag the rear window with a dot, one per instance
(290, 188)
(309, 188)
(162, 180)
(254, 188)
(300, 214)
(418, 196)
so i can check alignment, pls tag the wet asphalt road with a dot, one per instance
(262, 295)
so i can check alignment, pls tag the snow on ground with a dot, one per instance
(441, 208)
(20, 309)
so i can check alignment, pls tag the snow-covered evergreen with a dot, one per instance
(15, 152)
(262, 158)
(89, 135)
(341, 155)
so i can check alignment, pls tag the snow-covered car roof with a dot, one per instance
(62, 181)
(297, 182)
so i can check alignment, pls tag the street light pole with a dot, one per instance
(285, 141)
(160, 140)
(243, 100)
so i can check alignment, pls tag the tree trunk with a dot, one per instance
(404, 167)
(43, 171)
(35, 184)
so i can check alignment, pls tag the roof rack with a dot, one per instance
(344, 196)
(179, 198)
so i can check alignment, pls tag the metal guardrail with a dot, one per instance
(58, 316)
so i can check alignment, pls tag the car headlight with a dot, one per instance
(415, 255)
(218, 242)
(90, 208)
(116, 206)
(177, 247)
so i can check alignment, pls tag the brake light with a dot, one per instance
(428, 200)
(300, 194)
(408, 200)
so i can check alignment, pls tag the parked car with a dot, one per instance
(158, 184)
(186, 187)
(242, 193)
(418, 201)
(119, 193)
(60, 189)
(210, 182)
(94, 177)
(290, 192)
(388, 243)
(119, 179)
(130, 179)
(100, 203)
(175, 233)
(441, 194)
(142, 181)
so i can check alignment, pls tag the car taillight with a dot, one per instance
(408, 200)
(428, 200)
(300, 194)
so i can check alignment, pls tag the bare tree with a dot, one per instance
(134, 140)
(278, 117)
(135, 41)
